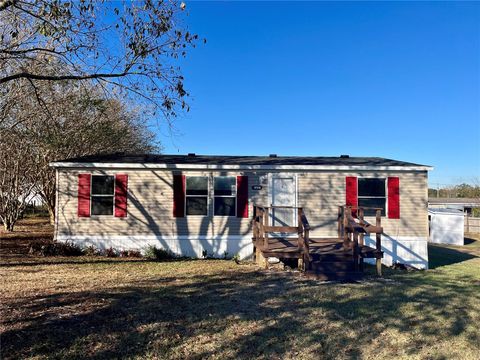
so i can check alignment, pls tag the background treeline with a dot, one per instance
(456, 191)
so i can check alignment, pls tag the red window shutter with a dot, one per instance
(351, 192)
(121, 188)
(84, 195)
(178, 195)
(242, 196)
(393, 186)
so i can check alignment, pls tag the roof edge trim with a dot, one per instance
(139, 166)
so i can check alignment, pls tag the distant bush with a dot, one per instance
(131, 253)
(111, 252)
(32, 211)
(56, 249)
(71, 249)
(236, 258)
(134, 253)
(154, 253)
(91, 251)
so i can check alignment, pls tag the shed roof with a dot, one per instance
(445, 211)
(224, 161)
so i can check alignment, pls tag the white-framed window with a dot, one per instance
(225, 196)
(372, 194)
(196, 195)
(102, 194)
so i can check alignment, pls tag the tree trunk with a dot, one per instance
(51, 214)
(8, 225)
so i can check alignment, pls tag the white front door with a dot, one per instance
(283, 193)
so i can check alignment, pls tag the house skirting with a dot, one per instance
(409, 250)
(190, 246)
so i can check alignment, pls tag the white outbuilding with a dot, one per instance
(446, 226)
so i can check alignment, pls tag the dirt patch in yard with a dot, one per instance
(28, 231)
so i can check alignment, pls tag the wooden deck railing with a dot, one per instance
(262, 229)
(353, 230)
(304, 238)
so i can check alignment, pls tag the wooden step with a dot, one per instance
(282, 254)
(333, 257)
(325, 240)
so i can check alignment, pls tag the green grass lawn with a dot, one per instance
(102, 308)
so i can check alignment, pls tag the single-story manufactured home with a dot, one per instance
(192, 204)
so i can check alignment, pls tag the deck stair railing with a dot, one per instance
(352, 228)
(263, 231)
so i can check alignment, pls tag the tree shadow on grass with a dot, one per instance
(31, 261)
(239, 315)
(441, 256)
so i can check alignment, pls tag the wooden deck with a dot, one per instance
(333, 258)
(288, 247)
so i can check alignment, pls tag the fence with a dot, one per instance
(472, 224)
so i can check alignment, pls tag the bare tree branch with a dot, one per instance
(5, 4)
(26, 75)
(134, 43)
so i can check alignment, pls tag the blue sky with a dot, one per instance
(395, 80)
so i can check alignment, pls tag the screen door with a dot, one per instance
(283, 194)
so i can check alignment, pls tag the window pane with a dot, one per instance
(102, 185)
(196, 205)
(197, 185)
(371, 187)
(372, 202)
(224, 185)
(225, 206)
(102, 205)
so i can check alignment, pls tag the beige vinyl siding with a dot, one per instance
(149, 208)
(150, 204)
(320, 194)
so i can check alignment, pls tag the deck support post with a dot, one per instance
(301, 264)
(264, 233)
(355, 251)
(361, 238)
(379, 266)
(378, 242)
(340, 227)
(346, 239)
(259, 259)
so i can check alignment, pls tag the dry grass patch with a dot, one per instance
(90, 307)
(217, 309)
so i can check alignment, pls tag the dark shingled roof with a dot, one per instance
(238, 160)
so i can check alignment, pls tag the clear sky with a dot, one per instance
(395, 80)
